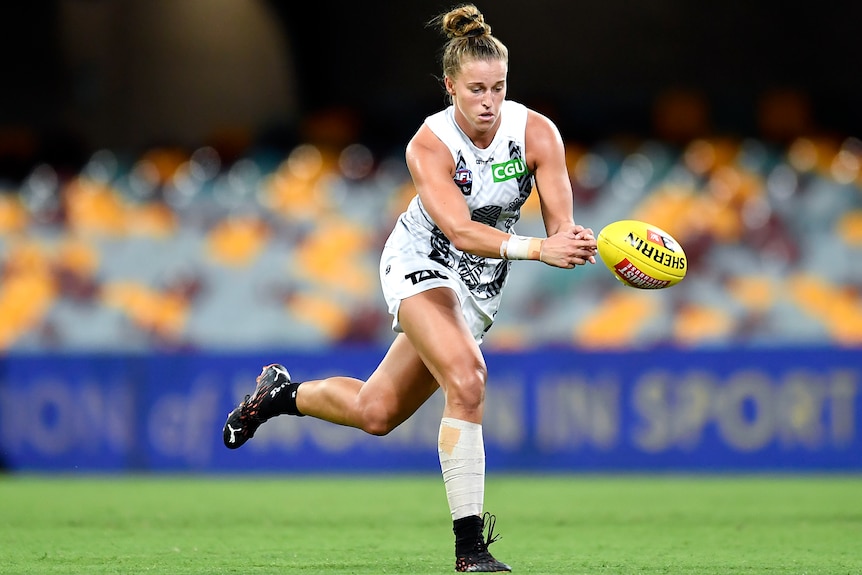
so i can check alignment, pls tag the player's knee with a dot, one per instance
(378, 428)
(377, 420)
(466, 388)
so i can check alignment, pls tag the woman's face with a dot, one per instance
(477, 93)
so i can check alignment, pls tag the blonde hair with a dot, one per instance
(469, 39)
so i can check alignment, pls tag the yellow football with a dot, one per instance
(641, 255)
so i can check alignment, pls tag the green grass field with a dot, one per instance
(382, 525)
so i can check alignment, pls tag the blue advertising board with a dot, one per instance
(554, 410)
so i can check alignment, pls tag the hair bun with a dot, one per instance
(464, 21)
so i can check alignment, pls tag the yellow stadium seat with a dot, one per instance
(697, 324)
(756, 293)
(331, 256)
(838, 309)
(237, 241)
(13, 215)
(94, 208)
(849, 228)
(616, 322)
(161, 313)
(324, 312)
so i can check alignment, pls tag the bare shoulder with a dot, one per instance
(425, 147)
(542, 138)
(541, 127)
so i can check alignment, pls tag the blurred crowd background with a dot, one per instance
(221, 174)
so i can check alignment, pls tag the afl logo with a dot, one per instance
(463, 177)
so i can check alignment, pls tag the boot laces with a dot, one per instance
(488, 523)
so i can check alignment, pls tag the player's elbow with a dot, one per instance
(460, 238)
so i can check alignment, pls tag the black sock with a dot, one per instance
(284, 402)
(468, 531)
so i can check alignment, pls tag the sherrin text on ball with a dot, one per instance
(641, 255)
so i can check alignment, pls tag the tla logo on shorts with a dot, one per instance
(514, 168)
(422, 275)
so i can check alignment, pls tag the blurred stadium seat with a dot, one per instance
(177, 250)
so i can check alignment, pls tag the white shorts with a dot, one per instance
(406, 274)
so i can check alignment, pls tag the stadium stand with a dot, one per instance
(175, 250)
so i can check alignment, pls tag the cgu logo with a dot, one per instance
(507, 170)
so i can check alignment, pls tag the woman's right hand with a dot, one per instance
(574, 246)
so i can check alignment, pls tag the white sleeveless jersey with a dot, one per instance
(495, 184)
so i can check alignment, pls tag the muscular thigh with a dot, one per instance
(400, 384)
(436, 344)
(435, 325)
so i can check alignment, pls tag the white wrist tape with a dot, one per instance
(521, 248)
